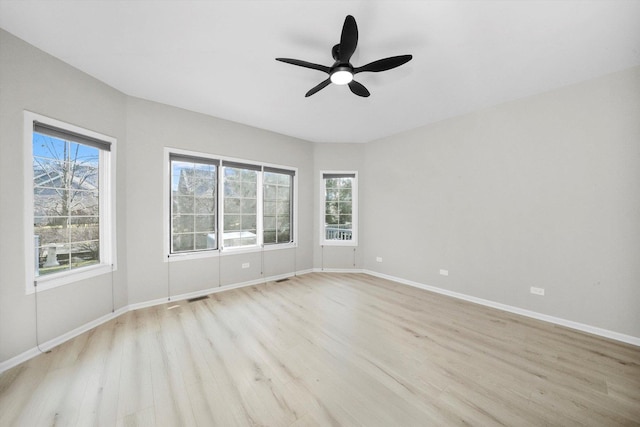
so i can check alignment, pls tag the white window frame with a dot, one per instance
(354, 211)
(222, 250)
(107, 208)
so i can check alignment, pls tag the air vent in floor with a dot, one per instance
(198, 298)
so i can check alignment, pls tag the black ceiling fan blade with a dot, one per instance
(358, 89)
(384, 64)
(305, 64)
(348, 39)
(318, 87)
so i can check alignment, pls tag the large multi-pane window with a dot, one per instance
(339, 208)
(194, 204)
(70, 206)
(278, 209)
(218, 204)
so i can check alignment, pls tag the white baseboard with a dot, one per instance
(48, 345)
(516, 310)
(23, 357)
(338, 270)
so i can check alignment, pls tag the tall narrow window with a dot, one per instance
(71, 215)
(193, 204)
(278, 205)
(240, 224)
(339, 208)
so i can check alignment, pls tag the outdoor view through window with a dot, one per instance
(66, 210)
(338, 206)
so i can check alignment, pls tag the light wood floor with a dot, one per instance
(326, 349)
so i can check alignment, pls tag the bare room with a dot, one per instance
(312, 213)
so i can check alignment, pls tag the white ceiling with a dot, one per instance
(217, 57)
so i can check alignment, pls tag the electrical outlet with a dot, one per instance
(537, 291)
(378, 259)
(246, 265)
(444, 272)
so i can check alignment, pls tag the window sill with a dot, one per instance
(49, 282)
(228, 251)
(349, 243)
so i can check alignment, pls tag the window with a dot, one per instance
(194, 204)
(240, 204)
(217, 204)
(339, 208)
(278, 205)
(70, 202)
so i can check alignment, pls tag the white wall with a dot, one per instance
(150, 128)
(32, 80)
(539, 192)
(336, 157)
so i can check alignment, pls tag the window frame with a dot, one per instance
(222, 250)
(354, 209)
(292, 190)
(107, 208)
(201, 161)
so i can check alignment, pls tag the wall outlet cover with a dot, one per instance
(537, 291)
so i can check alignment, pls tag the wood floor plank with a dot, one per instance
(326, 349)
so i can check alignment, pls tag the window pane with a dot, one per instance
(182, 204)
(344, 208)
(332, 195)
(240, 190)
(205, 205)
(249, 189)
(205, 241)
(66, 207)
(45, 146)
(183, 224)
(49, 235)
(182, 242)
(193, 202)
(269, 208)
(249, 223)
(345, 194)
(331, 183)
(284, 236)
(284, 193)
(269, 237)
(231, 223)
(232, 205)
(283, 208)
(269, 223)
(277, 207)
(205, 223)
(270, 192)
(84, 254)
(338, 208)
(248, 206)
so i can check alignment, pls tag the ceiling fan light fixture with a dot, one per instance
(341, 76)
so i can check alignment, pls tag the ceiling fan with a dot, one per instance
(342, 72)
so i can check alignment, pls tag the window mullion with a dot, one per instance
(260, 209)
(220, 218)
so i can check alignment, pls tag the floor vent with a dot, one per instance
(198, 298)
(281, 280)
